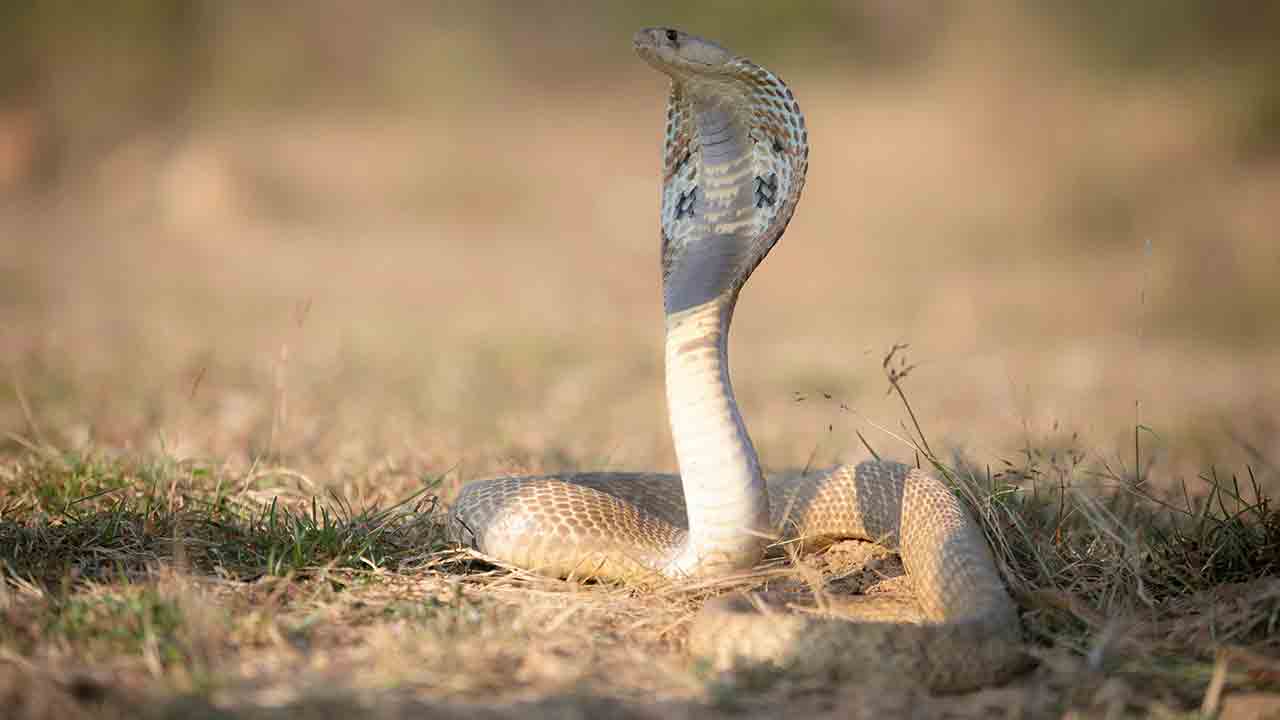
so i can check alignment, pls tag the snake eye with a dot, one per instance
(673, 37)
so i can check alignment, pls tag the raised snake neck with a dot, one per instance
(736, 153)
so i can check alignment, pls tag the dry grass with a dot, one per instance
(245, 364)
(168, 583)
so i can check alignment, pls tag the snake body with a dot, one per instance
(736, 153)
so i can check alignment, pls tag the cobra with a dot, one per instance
(735, 157)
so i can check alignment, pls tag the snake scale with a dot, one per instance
(736, 153)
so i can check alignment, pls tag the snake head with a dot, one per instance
(678, 53)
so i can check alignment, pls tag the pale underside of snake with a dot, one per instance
(736, 153)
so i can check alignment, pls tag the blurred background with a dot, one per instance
(398, 238)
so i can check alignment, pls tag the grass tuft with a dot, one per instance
(86, 518)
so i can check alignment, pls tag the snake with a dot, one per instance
(735, 156)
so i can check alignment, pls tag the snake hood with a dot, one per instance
(734, 161)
